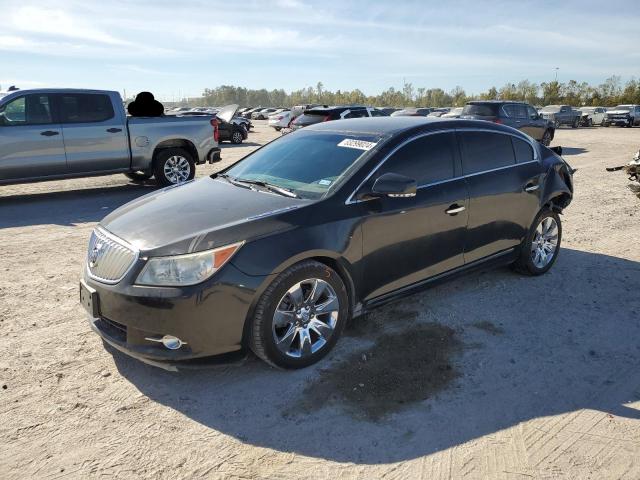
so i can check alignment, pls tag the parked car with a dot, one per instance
(518, 115)
(234, 131)
(315, 227)
(412, 112)
(247, 114)
(388, 110)
(623, 115)
(61, 133)
(590, 116)
(453, 113)
(561, 115)
(245, 122)
(439, 112)
(280, 120)
(326, 114)
(262, 114)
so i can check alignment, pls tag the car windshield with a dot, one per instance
(551, 109)
(623, 107)
(307, 163)
(481, 109)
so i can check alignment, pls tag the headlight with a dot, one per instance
(182, 270)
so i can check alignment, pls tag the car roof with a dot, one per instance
(389, 126)
(495, 102)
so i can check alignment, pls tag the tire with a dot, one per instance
(546, 138)
(237, 137)
(278, 338)
(138, 177)
(556, 123)
(278, 128)
(530, 261)
(590, 122)
(178, 157)
(575, 122)
(631, 123)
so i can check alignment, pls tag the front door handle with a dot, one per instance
(114, 130)
(531, 188)
(455, 209)
(49, 133)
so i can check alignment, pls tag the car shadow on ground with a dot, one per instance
(67, 207)
(573, 150)
(562, 342)
(243, 144)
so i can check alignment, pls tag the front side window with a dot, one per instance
(86, 108)
(532, 112)
(378, 113)
(31, 109)
(485, 151)
(428, 159)
(307, 163)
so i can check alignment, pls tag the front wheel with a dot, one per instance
(540, 248)
(300, 316)
(173, 166)
(574, 124)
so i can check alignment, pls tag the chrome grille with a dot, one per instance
(108, 258)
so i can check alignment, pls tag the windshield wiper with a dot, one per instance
(272, 188)
(233, 181)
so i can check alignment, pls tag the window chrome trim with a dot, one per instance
(536, 159)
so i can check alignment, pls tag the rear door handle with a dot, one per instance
(114, 130)
(531, 188)
(454, 209)
(49, 133)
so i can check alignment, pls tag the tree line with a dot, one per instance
(611, 92)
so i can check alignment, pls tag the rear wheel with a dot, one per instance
(173, 166)
(575, 122)
(237, 137)
(540, 248)
(300, 316)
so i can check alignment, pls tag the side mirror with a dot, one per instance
(394, 185)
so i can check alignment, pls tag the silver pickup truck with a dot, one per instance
(50, 134)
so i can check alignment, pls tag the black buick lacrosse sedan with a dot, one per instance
(278, 251)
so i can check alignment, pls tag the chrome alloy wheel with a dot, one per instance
(177, 169)
(544, 243)
(305, 318)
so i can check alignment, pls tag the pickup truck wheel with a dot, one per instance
(556, 123)
(575, 123)
(173, 166)
(138, 177)
(237, 137)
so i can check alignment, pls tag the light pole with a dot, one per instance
(557, 68)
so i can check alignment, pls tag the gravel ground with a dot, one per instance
(543, 380)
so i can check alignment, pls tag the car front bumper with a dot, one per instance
(209, 318)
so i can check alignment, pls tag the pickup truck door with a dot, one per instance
(30, 142)
(95, 133)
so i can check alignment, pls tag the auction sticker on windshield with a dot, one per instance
(359, 144)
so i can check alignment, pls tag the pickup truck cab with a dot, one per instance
(62, 133)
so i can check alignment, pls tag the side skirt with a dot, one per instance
(499, 259)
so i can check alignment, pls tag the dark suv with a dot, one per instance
(326, 114)
(518, 115)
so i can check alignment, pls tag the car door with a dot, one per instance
(95, 137)
(503, 194)
(31, 143)
(406, 240)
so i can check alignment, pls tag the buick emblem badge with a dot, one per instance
(94, 254)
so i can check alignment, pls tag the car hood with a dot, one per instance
(199, 215)
(228, 112)
(618, 112)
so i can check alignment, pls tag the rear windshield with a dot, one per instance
(481, 109)
(308, 163)
(310, 117)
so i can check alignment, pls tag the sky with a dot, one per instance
(178, 48)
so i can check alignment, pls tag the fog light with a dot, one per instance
(169, 341)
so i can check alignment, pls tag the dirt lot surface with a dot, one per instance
(529, 377)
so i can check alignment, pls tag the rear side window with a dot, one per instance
(523, 150)
(356, 114)
(485, 151)
(31, 109)
(481, 109)
(378, 113)
(427, 159)
(310, 118)
(86, 108)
